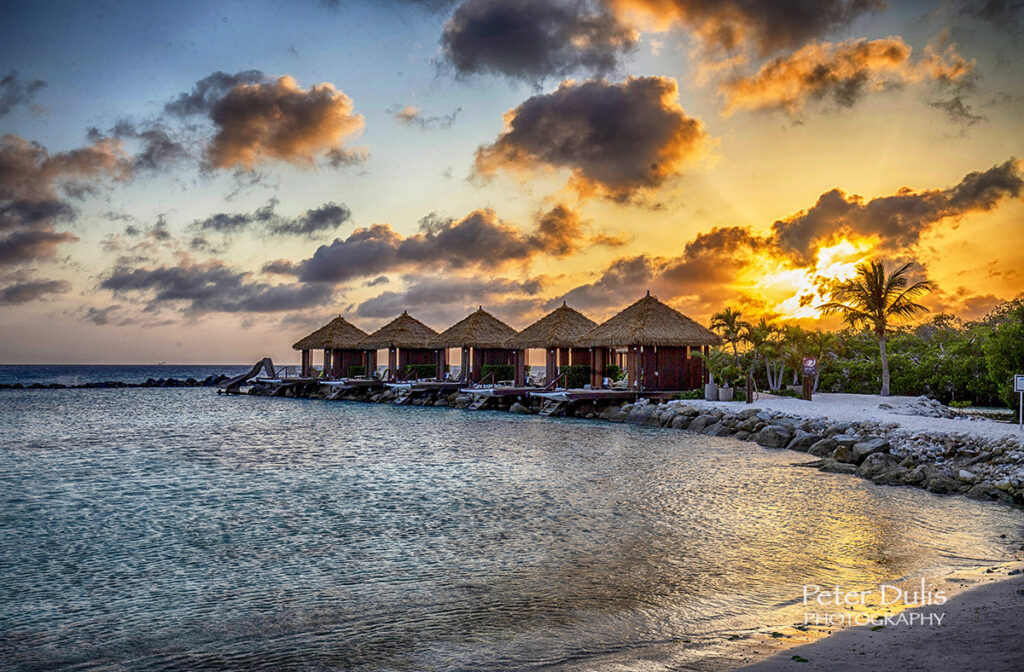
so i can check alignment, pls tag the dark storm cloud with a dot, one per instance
(616, 139)
(230, 223)
(326, 217)
(100, 316)
(431, 291)
(23, 246)
(478, 239)
(33, 214)
(14, 91)
(211, 287)
(621, 280)
(207, 91)
(158, 149)
(897, 220)
(532, 40)
(24, 292)
(768, 25)
(30, 203)
(1003, 14)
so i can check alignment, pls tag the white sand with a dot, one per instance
(862, 407)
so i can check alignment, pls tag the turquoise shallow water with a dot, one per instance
(174, 528)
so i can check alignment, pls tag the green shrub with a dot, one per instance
(500, 371)
(614, 372)
(960, 404)
(691, 394)
(356, 370)
(739, 395)
(418, 371)
(575, 376)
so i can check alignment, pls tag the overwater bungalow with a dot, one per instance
(660, 343)
(339, 340)
(407, 341)
(558, 333)
(482, 339)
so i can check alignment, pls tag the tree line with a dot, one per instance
(944, 357)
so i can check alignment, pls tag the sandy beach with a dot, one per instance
(978, 628)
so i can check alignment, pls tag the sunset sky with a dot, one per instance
(206, 182)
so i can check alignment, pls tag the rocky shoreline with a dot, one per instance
(209, 381)
(985, 468)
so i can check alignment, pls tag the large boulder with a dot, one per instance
(774, 436)
(846, 439)
(702, 421)
(986, 491)
(718, 429)
(520, 409)
(822, 448)
(943, 483)
(802, 441)
(639, 413)
(875, 464)
(863, 449)
(843, 453)
(681, 421)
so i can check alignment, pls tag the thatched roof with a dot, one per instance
(478, 330)
(561, 328)
(338, 334)
(649, 322)
(405, 331)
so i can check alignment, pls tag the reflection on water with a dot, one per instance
(176, 528)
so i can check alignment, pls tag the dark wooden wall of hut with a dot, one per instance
(343, 360)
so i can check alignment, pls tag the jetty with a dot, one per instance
(649, 350)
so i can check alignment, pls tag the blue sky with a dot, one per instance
(935, 99)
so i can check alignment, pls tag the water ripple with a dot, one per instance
(171, 529)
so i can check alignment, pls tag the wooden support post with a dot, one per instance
(442, 362)
(520, 364)
(597, 367)
(466, 365)
(392, 365)
(550, 365)
(307, 361)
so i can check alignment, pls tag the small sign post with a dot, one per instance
(1018, 387)
(810, 371)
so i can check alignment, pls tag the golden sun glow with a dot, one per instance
(796, 293)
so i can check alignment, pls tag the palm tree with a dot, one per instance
(730, 326)
(822, 345)
(875, 298)
(756, 335)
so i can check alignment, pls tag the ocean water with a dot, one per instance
(178, 529)
(79, 374)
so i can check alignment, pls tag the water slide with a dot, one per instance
(266, 364)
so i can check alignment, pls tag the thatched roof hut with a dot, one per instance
(338, 334)
(405, 332)
(561, 328)
(649, 322)
(479, 330)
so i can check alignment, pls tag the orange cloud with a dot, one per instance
(281, 121)
(616, 139)
(732, 24)
(844, 71)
